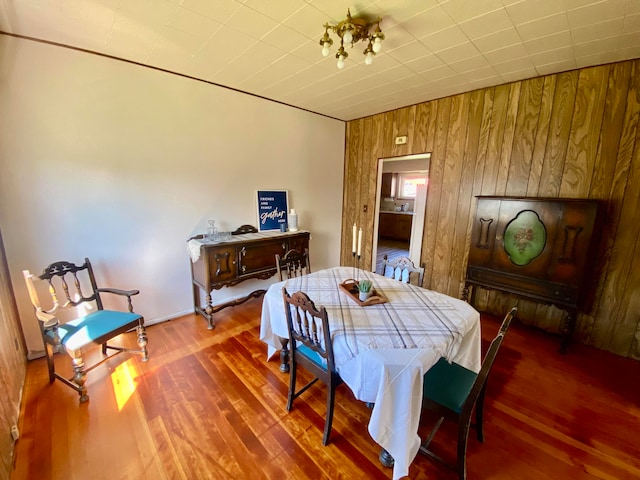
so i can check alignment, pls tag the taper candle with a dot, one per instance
(353, 247)
(359, 242)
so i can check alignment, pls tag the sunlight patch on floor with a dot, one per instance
(124, 384)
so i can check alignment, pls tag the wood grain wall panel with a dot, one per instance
(621, 110)
(466, 197)
(507, 138)
(451, 177)
(541, 136)
(436, 172)
(496, 130)
(561, 114)
(585, 132)
(569, 135)
(524, 136)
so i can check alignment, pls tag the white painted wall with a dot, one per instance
(122, 164)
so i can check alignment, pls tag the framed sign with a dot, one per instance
(272, 209)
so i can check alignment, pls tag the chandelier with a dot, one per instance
(351, 31)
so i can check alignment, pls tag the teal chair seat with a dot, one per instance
(93, 328)
(448, 384)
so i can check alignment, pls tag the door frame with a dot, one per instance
(417, 227)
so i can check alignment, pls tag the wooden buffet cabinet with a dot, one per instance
(395, 225)
(542, 249)
(243, 257)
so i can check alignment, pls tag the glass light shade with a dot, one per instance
(325, 49)
(377, 45)
(348, 36)
(368, 58)
(340, 62)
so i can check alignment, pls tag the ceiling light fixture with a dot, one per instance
(351, 31)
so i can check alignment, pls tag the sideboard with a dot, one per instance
(242, 257)
(542, 249)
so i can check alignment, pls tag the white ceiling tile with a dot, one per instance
(598, 30)
(395, 37)
(409, 52)
(486, 24)
(529, 10)
(457, 53)
(194, 23)
(308, 21)
(428, 22)
(519, 75)
(549, 42)
(462, 10)
(496, 40)
(251, 22)
(438, 73)
(597, 46)
(596, 12)
(562, 66)
(425, 63)
(631, 52)
(218, 10)
(515, 65)
(598, 58)
(633, 6)
(512, 52)
(632, 23)
(553, 56)
(444, 39)
(286, 38)
(402, 10)
(279, 11)
(543, 26)
(475, 64)
(630, 40)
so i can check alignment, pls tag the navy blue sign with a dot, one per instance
(272, 209)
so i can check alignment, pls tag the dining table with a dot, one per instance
(382, 350)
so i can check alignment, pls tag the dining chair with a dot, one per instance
(81, 321)
(455, 390)
(312, 349)
(402, 268)
(294, 264)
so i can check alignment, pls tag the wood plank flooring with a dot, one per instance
(208, 406)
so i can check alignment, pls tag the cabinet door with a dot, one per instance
(403, 227)
(386, 225)
(222, 263)
(387, 185)
(258, 257)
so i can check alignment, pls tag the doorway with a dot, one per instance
(395, 210)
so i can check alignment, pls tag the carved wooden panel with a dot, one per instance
(570, 135)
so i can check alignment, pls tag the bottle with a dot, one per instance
(293, 220)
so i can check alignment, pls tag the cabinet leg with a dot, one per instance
(567, 330)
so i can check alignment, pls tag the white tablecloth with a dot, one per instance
(383, 351)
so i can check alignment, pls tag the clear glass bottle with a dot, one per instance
(211, 231)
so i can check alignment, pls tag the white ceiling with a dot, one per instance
(270, 48)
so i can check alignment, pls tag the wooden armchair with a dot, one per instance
(75, 336)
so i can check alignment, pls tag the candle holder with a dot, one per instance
(353, 264)
(358, 278)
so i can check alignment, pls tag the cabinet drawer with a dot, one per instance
(260, 257)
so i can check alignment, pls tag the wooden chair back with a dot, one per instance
(293, 264)
(403, 270)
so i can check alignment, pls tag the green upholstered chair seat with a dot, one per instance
(83, 331)
(448, 384)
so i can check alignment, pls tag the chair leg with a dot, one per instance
(79, 376)
(331, 395)
(142, 342)
(463, 434)
(49, 351)
(292, 384)
(480, 414)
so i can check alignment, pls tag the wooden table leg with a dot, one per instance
(284, 356)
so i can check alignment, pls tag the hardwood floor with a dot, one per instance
(392, 249)
(208, 406)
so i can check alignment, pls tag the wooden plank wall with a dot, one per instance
(12, 365)
(570, 135)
